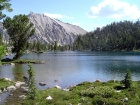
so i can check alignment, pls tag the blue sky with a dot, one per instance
(88, 14)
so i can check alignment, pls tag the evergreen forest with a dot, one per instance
(117, 36)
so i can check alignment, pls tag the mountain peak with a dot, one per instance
(50, 29)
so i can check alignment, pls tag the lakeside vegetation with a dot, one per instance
(22, 61)
(113, 92)
(87, 93)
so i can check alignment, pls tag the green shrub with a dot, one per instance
(98, 100)
(104, 91)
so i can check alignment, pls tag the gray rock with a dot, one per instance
(0, 91)
(22, 96)
(12, 64)
(11, 88)
(7, 79)
(25, 89)
(10, 94)
(58, 87)
(18, 84)
(4, 90)
(49, 98)
(125, 99)
(66, 89)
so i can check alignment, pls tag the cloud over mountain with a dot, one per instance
(57, 16)
(114, 9)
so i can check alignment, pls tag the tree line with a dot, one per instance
(36, 46)
(117, 36)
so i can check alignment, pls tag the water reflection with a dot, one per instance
(19, 71)
(71, 68)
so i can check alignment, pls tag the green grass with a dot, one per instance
(87, 93)
(21, 61)
(4, 83)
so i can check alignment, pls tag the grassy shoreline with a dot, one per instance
(22, 61)
(90, 93)
(87, 93)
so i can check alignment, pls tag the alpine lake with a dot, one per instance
(69, 68)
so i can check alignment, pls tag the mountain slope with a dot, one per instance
(49, 30)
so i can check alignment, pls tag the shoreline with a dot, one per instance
(85, 86)
(21, 61)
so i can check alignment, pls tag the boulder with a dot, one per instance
(118, 91)
(18, 84)
(25, 89)
(7, 79)
(10, 94)
(11, 88)
(22, 96)
(49, 98)
(3, 90)
(58, 87)
(66, 89)
(12, 64)
(0, 91)
(125, 99)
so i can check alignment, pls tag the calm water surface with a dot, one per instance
(71, 68)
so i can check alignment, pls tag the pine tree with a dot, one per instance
(127, 80)
(19, 29)
(31, 83)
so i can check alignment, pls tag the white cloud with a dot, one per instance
(114, 9)
(57, 16)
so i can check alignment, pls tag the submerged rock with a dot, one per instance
(42, 84)
(55, 80)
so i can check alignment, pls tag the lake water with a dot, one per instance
(71, 68)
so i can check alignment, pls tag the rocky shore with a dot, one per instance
(17, 92)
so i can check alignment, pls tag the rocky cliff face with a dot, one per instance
(3, 32)
(49, 30)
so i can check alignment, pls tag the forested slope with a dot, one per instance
(113, 37)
